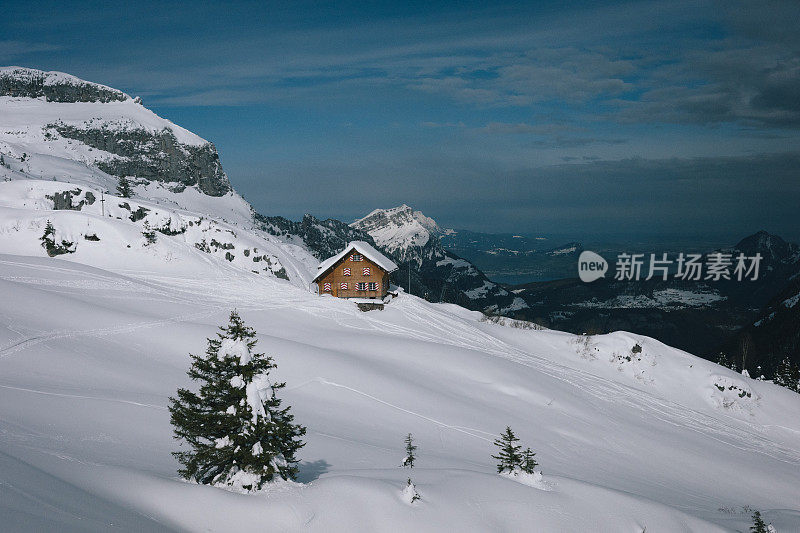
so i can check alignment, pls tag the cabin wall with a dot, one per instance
(336, 277)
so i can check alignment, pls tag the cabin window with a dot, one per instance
(366, 271)
(326, 287)
(373, 285)
(356, 257)
(346, 272)
(343, 286)
(362, 286)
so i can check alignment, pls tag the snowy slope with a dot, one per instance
(107, 231)
(624, 445)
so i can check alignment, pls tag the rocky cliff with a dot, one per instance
(105, 128)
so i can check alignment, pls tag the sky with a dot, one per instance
(623, 119)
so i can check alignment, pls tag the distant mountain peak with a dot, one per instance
(404, 213)
(400, 229)
(771, 247)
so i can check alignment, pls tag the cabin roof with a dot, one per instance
(364, 249)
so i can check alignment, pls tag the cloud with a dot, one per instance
(754, 86)
(12, 49)
(504, 128)
(435, 125)
(523, 78)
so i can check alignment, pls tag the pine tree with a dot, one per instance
(529, 464)
(783, 372)
(49, 237)
(236, 430)
(759, 526)
(49, 243)
(409, 459)
(722, 360)
(509, 457)
(124, 187)
(149, 234)
(795, 378)
(786, 375)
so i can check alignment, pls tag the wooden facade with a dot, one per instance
(342, 279)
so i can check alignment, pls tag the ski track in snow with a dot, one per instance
(439, 423)
(26, 343)
(82, 397)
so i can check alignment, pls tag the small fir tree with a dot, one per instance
(409, 459)
(722, 360)
(49, 237)
(149, 234)
(529, 464)
(410, 492)
(508, 457)
(759, 526)
(795, 383)
(124, 187)
(49, 243)
(237, 432)
(786, 374)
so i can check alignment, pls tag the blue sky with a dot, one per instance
(625, 119)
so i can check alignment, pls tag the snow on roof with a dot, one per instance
(364, 249)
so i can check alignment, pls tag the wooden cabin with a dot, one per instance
(359, 271)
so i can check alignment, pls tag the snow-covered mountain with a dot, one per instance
(55, 124)
(407, 234)
(64, 144)
(97, 322)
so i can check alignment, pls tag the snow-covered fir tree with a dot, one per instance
(509, 457)
(149, 234)
(235, 427)
(759, 526)
(786, 375)
(410, 494)
(124, 187)
(409, 459)
(49, 243)
(48, 238)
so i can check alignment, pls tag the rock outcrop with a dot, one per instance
(54, 87)
(153, 156)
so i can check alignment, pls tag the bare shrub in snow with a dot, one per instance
(511, 322)
(585, 347)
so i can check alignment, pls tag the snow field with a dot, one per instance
(84, 387)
